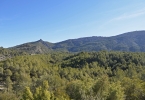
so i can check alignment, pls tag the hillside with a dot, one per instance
(81, 76)
(36, 47)
(6, 53)
(131, 41)
(103, 75)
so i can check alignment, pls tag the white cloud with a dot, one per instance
(125, 16)
(129, 15)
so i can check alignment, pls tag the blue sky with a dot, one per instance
(24, 21)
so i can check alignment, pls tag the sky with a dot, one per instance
(24, 21)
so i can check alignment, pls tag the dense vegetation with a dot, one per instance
(131, 41)
(6, 53)
(37, 47)
(82, 76)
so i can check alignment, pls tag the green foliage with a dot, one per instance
(8, 84)
(42, 93)
(116, 92)
(82, 76)
(100, 88)
(133, 89)
(76, 90)
(27, 95)
(7, 53)
(8, 96)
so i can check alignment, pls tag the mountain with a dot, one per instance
(36, 47)
(130, 41)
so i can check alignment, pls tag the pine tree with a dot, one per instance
(27, 95)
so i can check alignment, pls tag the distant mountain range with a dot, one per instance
(130, 41)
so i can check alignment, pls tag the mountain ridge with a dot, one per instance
(131, 41)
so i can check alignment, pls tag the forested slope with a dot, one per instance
(83, 76)
(130, 41)
(37, 47)
(6, 53)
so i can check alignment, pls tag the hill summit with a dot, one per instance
(130, 41)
